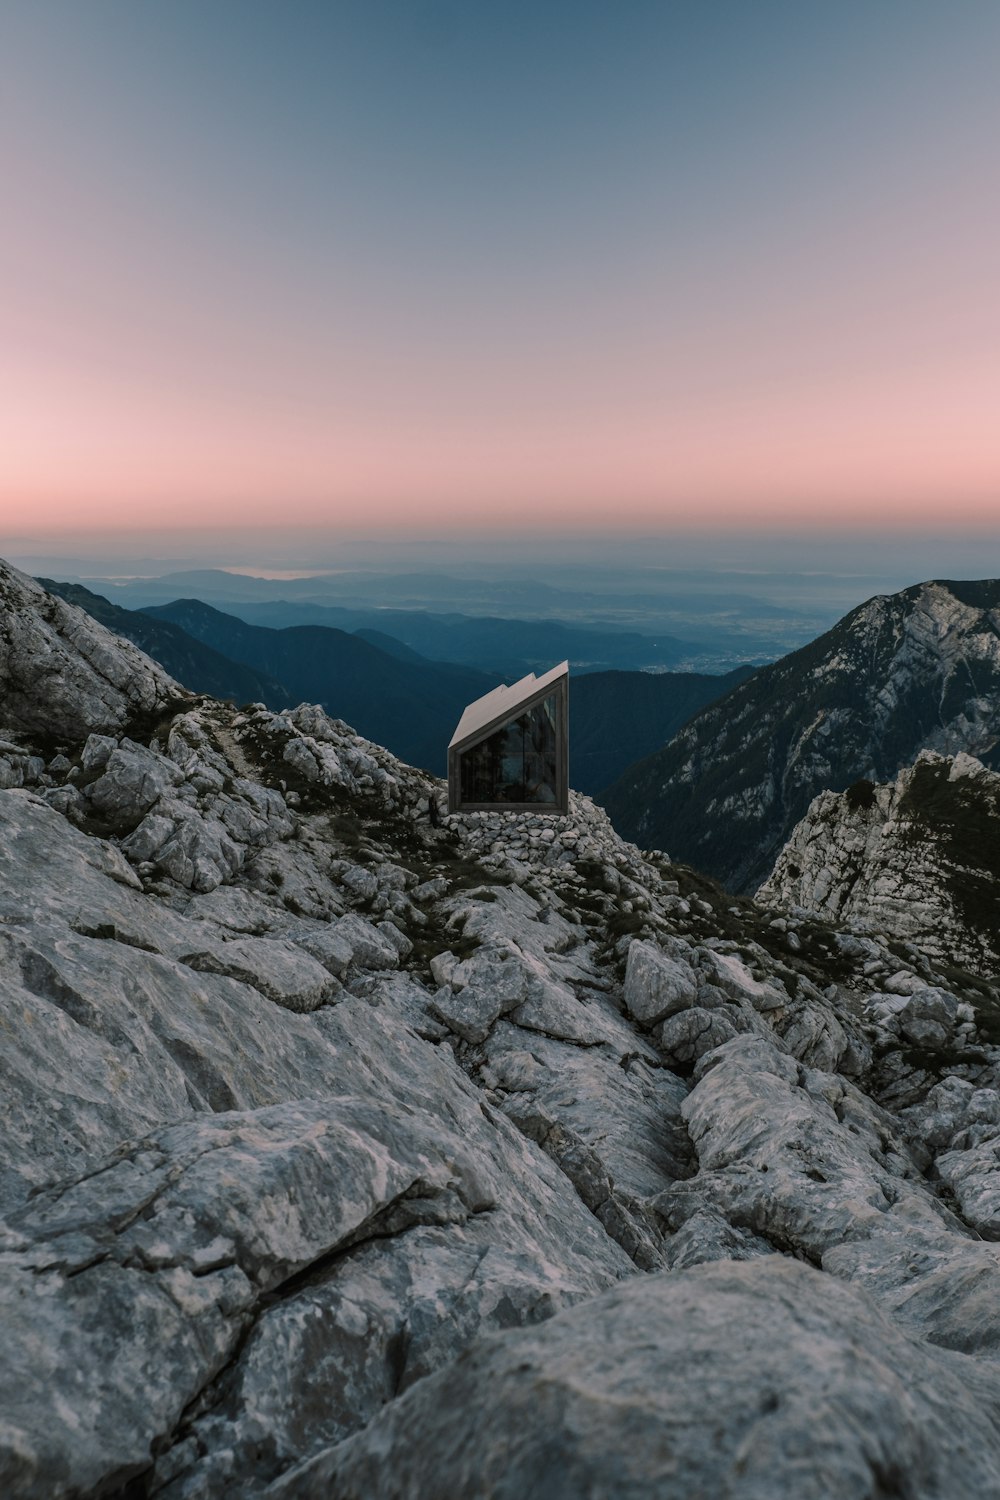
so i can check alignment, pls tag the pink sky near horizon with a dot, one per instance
(174, 352)
(860, 452)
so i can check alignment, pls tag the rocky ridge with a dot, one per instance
(346, 1154)
(918, 858)
(903, 673)
(191, 662)
(62, 673)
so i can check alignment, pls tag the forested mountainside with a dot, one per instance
(617, 718)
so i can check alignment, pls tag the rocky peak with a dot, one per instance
(63, 674)
(904, 672)
(918, 858)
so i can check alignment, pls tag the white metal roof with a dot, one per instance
(504, 702)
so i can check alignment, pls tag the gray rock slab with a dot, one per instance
(691, 1034)
(763, 1381)
(282, 971)
(707, 1236)
(184, 1230)
(629, 1116)
(133, 780)
(973, 1176)
(62, 674)
(502, 970)
(106, 1035)
(469, 1012)
(435, 1271)
(369, 947)
(656, 985)
(326, 947)
(774, 1156)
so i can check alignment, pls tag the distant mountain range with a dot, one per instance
(391, 693)
(902, 673)
(628, 620)
(411, 705)
(486, 642)
(197, 665)
(615, 717)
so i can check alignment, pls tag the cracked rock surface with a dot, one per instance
(633, 1395)
(918, 858)
(345, 1155)
(60, 671)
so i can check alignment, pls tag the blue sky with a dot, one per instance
(626, 264)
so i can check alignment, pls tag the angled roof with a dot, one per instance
(504, 702)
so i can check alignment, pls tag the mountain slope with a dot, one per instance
(490, 643)
(387, 643)
(902, 673)
(191, 662)
(496, 624)
(919, 858)
(645, 708)
(410, 706)
(340, 1154)
(62, 673)
(617, 718)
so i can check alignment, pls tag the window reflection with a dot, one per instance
(518, 762)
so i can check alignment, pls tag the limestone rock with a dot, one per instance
(913, 858)
(827, 1401)
(693, 1033)
(281, 971)
(368, 945)
(469, 1013)
(63, 675)
(513, 1062)
(132, 781)
(656, 985)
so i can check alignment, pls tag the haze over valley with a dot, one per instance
(635, 605)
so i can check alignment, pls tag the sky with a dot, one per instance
(648, 266)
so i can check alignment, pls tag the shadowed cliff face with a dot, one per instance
(912, 671)
(340, 1153)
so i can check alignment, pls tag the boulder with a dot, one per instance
(369, 947)
(656, 985)
(763, 1380)
(282, 971)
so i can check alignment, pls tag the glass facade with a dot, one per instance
(518, 762)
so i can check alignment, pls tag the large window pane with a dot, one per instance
(517, 763)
